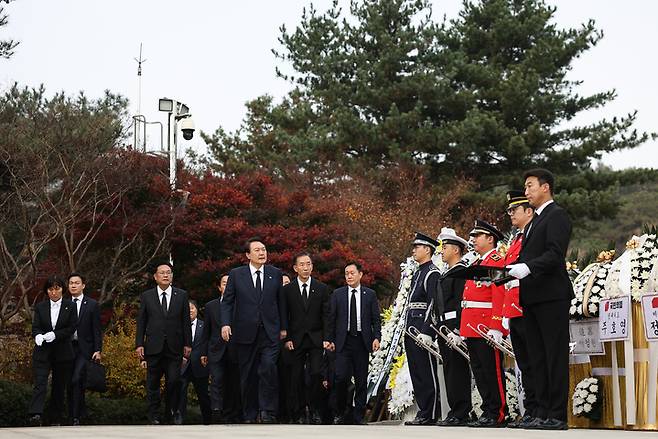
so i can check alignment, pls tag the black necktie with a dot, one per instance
(77, 310)
(304, 293)
(259, 287)
(353, 316)
(164, 303)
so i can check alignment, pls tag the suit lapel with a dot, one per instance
(83, 308)
(536, 221)
(249, 279)
(46, 309)
(62, 309)
(198, 332)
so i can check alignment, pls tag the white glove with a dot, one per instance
(49, 337)
(455, 339)
(496, 335)
(518, 271)
(426, 339)
(38, 339)
(506, 323)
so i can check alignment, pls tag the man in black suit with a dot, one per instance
(222, 363)
(195, 369)
(87, 344)
(164, 337)
(251, 318)
(354, 332)
(53, 325)
(306, 301)
(545, 295)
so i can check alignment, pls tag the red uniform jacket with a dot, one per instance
(475, 291)
(511, 305)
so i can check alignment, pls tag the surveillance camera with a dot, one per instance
(187, 127)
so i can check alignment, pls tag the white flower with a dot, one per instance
(591, 398)
(594, 299)
(594, 388)
(592, 308)
(587, 407)
(578, 401)
(580, 310)
(578, 410)
(596, 289)
(572, 310)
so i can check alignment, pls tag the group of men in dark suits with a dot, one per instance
(533, 307)
(255, 317)
(67, 336)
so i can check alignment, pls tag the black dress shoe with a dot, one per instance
(453, 421)
(178, 418)
(520, 422)
(154, 421)
(339, 420)
(548, 424)
(267, 418)
(75, 422)
(421, 421)
(35, 421)
(316, 419)
(360, 422)
(485, 422)
(249, 421)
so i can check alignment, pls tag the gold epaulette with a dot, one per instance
(496, 257)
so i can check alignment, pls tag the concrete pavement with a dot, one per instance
(376, 431)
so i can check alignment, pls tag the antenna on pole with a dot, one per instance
(139, 98)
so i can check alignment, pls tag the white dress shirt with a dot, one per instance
(54, 311)
(541, 208)
(167, 295)
(253, 271)
(301, 287)
(193, 328)
(77, 301)
(358, 306)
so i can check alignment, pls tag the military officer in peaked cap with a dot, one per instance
(422, 364)
(520, 213)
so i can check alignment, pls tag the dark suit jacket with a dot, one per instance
(90, 337)
(244, 311)
(61, 349)
(306, 317)
(544, 250)
(214, 344)
(193, 366)
(153, 324)
(452, 291)
(338, 317)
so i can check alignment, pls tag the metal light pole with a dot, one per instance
(179, 111)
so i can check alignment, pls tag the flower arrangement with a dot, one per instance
(511, 394)
(392, 330)
(641, 264)
(579, 287)
(399, 382)
(587, 399)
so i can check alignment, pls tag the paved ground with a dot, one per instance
(301, 432)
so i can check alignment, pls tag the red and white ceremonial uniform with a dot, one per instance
(483, 301)
(511, 305)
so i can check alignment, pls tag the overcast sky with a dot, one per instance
(215, 55)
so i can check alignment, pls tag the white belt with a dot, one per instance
(512, 284)
(417, 305)
(450, 315)
(473, 304)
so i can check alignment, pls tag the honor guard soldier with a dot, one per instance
(422, 364)
(482, 307)
(447, 311)
(520, 213)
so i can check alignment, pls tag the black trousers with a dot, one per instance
(520, 345)
(306, 361)
(547, 330)
(225, 384)
(423, 371)
(165, 363)
(201, 388)
(76, 389)
(61, 371)
(487, 367)
(259, 376)
(352, 361)
(457, 375)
